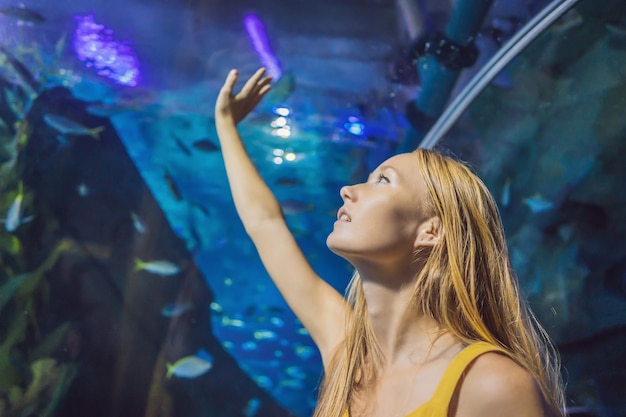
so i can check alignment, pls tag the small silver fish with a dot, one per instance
(265, 335)
(216, 308)
(14, 215)
(137, 223)
(304, 352)
(189, 367)
(249, 346)
(295, 372)
(537, 203)
(291, 383)
(176, 309)
(277, 321)
(66, 126)
(227, 321)
(13, 219)
(163, 268)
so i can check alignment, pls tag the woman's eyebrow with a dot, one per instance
(382, 168)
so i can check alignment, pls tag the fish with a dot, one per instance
(163, 268)
(137, 223)
(505, 198)
(216, 308)
(171, 184)
(66, 126)
(277, 321)
(538, 204)
(205, 145)
(110, 109)
(265, 335)
(14, 215)
(189, 367)
(295, 372)
(288, 182)
(617, 34)
(304, 352)
(251, 408)
(291, 383)
(181, 145)
(25, 75)
(248, 346)
(293, 207)
(263, 381)
(176, 309)
(227, 321)
(83, 189)
(94, 250)
(22, 13)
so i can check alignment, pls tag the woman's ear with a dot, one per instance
(429, 232)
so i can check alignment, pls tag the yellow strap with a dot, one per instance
(440, 401)
(450, 379)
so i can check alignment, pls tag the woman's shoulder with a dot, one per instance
(494, 384)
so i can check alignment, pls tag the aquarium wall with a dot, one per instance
(128, 286)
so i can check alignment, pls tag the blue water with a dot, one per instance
(154, 71)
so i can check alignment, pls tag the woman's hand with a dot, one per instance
(234, 107)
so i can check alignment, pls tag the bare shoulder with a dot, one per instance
(497, 386)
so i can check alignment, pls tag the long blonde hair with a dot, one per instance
(467, 285)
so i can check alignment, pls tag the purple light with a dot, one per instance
(94, 44)
(256, 32)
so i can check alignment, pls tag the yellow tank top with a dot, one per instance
(438, 404)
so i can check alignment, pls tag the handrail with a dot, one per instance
(501, 59)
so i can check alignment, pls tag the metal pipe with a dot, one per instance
(437, 79)
(497, 63)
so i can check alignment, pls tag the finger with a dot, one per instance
(231, 80)
(247, 88)
(261, 84)
(259, 96)
(264, 90)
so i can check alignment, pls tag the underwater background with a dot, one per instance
(128, 286)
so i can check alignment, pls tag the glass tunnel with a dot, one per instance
(128, 286)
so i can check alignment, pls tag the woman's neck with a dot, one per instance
(405, 335)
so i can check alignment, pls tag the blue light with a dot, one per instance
(95, 46)
(355, 128)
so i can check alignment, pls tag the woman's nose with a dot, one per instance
(346, 192)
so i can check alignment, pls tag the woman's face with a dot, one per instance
(379, 219)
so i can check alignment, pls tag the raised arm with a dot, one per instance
(319, 307)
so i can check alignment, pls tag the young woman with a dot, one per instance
(433, 324)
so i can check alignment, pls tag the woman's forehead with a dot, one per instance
(405, 163)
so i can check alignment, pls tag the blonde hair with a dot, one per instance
(467, 285)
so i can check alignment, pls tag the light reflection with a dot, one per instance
(283, 132)
(279, 122)
(282, 111)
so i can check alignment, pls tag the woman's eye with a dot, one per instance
(382, 178)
